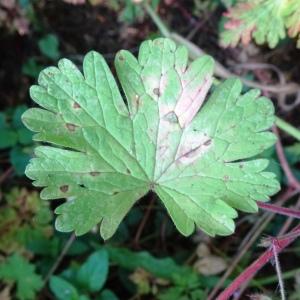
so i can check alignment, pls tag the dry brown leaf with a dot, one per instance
(5, 293)
(210, 265)
(202, 250)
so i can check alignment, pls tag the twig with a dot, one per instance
(5, 174)
(221, 71)
(289, 221)
(263, 222)
(282, 231)
(288, 128)
(290, 212)
(278, 270)
(250, 272)
(156, 19)
(292, 181)
(143, 223)
(60, 258)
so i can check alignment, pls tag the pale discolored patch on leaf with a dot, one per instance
(191, 149)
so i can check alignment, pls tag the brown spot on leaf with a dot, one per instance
(76, 105)
(207, 143)
(70, 127)
(121, 57)
(137, 101)
(128, 171)
(94, 173)
(171, 117)
(115, 193)
(64, 188)
(226, 178)
(156, 92)
(241, 166)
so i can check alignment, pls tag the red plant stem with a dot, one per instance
(143, 222)
(250, 272)
(292, 181)
(290, 212)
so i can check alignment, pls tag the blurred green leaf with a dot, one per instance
(16, 118)
(93, 273)
(24, 136)
(32, 68)
(41, 245)
(2, 120)
(107, 295)
(19, 159)
(293, 153)
(18, 270)
(62, 289)
(49, 46)
(9, 138)
(161, 267)
(134, 11)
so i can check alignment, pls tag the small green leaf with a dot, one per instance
(195, 154)
(31, 67)
(49, 46)
(107, 295)
(9, 138)
(160, 267)
(62, 289)
(18, 270)
(93, 273)
(16, 118)
(19, 159)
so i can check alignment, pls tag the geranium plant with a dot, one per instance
(174, 135)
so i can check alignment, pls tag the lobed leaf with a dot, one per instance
(18, 270)
(105, 154)
(264, 21)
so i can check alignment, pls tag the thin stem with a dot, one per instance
(292, 181)
(5, 174)
(272, 279)
(284, 228)
(60, 258)
(250, 272)
(288, 128)
(156, 19)
(278, 270)
(143, 222)
(290, 212)
(220, 70)
(263, 222)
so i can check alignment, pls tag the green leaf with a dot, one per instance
(160, 267)
(19, 159)
(18, 270)
(62, 289)
(31, 67)
(16, 118)
(106, 155)
(247, 20)
(9, 138)
(93, 273)
(3, 123)
(49, 46)
(107, 295)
